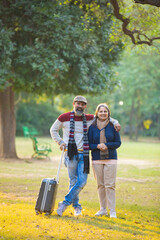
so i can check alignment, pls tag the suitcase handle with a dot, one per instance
(59, 167)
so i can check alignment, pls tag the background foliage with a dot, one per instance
(135, 101)
(33, 115)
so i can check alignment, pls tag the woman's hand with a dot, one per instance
(102, 147)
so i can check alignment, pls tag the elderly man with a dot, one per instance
(75, 142)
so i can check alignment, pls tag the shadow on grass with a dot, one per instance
(104, 222)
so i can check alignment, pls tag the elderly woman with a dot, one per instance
(103, 142)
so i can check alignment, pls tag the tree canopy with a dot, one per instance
(48, 47)
(135, 22)
(138, 20)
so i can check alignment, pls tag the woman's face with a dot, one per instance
(102, 114)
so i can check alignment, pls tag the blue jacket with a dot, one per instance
(112, 137)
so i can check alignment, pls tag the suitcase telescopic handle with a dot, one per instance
(59, 167)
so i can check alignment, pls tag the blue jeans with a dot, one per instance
(78, 180)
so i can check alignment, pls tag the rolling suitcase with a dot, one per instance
(47, 194)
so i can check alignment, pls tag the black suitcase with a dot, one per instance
(47, 194)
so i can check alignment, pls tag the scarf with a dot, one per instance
(101, 126)
(72, 147)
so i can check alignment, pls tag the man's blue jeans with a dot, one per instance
(78, 180)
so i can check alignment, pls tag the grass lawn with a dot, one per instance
(137, 195)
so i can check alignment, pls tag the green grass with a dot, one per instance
(137, 195)
(140, 150)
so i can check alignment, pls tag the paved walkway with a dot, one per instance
(139, 163)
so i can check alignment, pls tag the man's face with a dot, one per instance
(79, 108)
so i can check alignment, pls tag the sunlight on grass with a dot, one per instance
(21, 222)
(137, 197)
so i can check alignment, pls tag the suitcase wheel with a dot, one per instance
(37, 212)
(47, 214)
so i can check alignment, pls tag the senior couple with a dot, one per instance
(81, 133)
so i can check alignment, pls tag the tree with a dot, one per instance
(139, 23)
(139, 75)
(137, 20)
(47, 47)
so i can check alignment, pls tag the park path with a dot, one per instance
(56, 159)
(139, 163)
(134, 162)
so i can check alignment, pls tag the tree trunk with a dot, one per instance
(137, 130)
(131, 120)
(138, 116)
(7, 124)
(158, 126)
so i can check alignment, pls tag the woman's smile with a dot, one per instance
(102, 114)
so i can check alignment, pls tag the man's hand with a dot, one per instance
(63, 145)
(117, 127)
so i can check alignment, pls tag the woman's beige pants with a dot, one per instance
(105, 175)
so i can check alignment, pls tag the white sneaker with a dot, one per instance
(61, 208)
(113, 214)
(77, 212)
(101, 212)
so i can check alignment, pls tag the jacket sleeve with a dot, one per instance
(54, 131)
(92, 145)
(116, 143)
